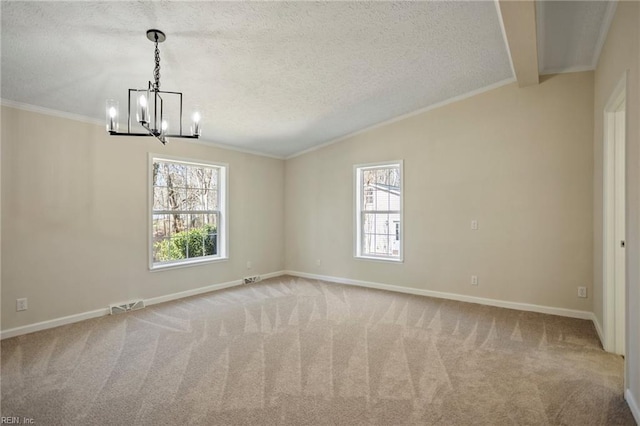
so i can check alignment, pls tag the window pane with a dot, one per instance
(382, 244)
(395, 241)
(367, 201)
(211, 220)
(176, 175)
(215, 176)
(196, 199)
(182, 202)
(210, 231)
(394, 199)
(368, 177)
(368, 242)
(212, 200)
(368, 223)
(161, 227)
(161, 250)
(160, 198)
(159, 176)
(176, 198)
(179, 223)
(195, 177)
(382, 224)
(177, 247)
(195, 240)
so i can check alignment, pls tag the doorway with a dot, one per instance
(614, 284)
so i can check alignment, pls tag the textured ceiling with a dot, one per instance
(271, 77)
(571, 33)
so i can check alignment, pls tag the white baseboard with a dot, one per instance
(272, 275)
(207, 289)
(70, 319)
(193, 292)
(17, 331)
(572, 313)
(633, 405)
(57, 322)
(596, 323)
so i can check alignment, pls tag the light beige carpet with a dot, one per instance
(295, 351)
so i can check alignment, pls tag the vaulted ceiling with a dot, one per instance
(280, 77)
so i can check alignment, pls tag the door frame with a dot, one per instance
(613, 341)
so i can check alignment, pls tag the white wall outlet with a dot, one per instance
(582, 292)
(474, 225)
(249, 264)
(318, 262)
(474, 280)
(21, 304)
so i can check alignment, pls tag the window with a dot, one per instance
(379, 211)
(368, 196)
(188, 212)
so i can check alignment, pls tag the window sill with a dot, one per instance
(186, 264)
(380, 259)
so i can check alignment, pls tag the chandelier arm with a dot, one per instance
(153, 133)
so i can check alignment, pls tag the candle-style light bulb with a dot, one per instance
(163, 132)
(195, 125)
(143, 109)
(112, 115)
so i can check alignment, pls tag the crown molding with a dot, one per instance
(407, 115)
(89, 120)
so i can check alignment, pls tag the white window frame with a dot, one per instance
(358, 212)
(223, 213)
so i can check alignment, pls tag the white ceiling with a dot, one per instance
(276, 77)
(571, 33)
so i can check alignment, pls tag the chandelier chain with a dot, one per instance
(156, 70)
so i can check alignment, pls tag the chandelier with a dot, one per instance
(150, 108)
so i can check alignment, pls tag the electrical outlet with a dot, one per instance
(21, 304)
(474, 225)
(249, 264)
(318, 262)
(582, 292)
(474, 280)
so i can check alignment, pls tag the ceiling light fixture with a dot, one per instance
(150, 111)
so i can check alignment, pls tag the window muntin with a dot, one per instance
(379, 211)
(187, 212)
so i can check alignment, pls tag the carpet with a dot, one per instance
(296, 351)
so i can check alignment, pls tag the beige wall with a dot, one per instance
(75, 219)
(520, 161)
(621, 53)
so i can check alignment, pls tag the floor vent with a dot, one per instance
(126, 307)
(254, 279)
